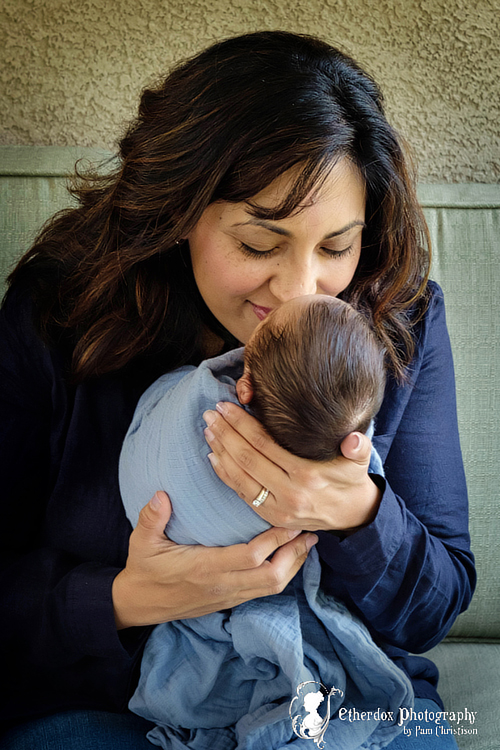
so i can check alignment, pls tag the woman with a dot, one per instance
(261, 170)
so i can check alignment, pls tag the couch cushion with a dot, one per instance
(33, 182)
(470, 679)
(464, 221)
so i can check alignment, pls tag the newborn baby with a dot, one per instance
(227, 679)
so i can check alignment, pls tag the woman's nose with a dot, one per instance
(293, 280)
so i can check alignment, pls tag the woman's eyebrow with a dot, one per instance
(266, 225)
(285, 233)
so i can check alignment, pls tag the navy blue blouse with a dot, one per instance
(64, 533)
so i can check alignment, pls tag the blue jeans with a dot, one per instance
(80, 730)
(98, 730)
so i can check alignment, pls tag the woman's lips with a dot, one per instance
(261, 312)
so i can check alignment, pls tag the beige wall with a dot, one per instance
(71, 70)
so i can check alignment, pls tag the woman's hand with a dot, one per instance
(304, 494)
(165, 581)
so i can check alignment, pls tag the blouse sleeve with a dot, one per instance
(59, 642)
(411, 572)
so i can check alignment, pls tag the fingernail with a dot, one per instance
(209, 435)
(221, 408)
(209, 417)
(213, 459)
(311, 540)
(155, 502)
(292, 533)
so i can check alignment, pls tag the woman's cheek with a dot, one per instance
(240, 279)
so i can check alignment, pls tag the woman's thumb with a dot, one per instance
(154, 516)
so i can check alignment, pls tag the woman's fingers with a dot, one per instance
(252, 555)
(228, 470)
(248, 489)
(239, 459)
(245, 486)
(271, 576)
(231, 474)
(252, 432)
(167, 581)
(262, 567)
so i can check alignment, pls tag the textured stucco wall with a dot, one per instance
(71, 71)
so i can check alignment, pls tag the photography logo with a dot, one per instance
(310, 711)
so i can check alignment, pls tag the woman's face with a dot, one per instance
(245, 267)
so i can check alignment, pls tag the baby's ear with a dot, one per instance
(244, 387)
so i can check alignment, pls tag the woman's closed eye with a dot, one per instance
(338, 253)
(254, 253)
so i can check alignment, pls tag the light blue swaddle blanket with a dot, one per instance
(226, 680)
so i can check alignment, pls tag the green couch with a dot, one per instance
(464, 221)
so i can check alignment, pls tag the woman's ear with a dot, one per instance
(244, 387)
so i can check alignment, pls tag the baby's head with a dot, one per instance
(317, 373)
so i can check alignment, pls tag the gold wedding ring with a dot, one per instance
(260, 497)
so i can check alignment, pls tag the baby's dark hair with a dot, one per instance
(317, 376)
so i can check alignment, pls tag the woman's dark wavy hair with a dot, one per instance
(108, 276)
